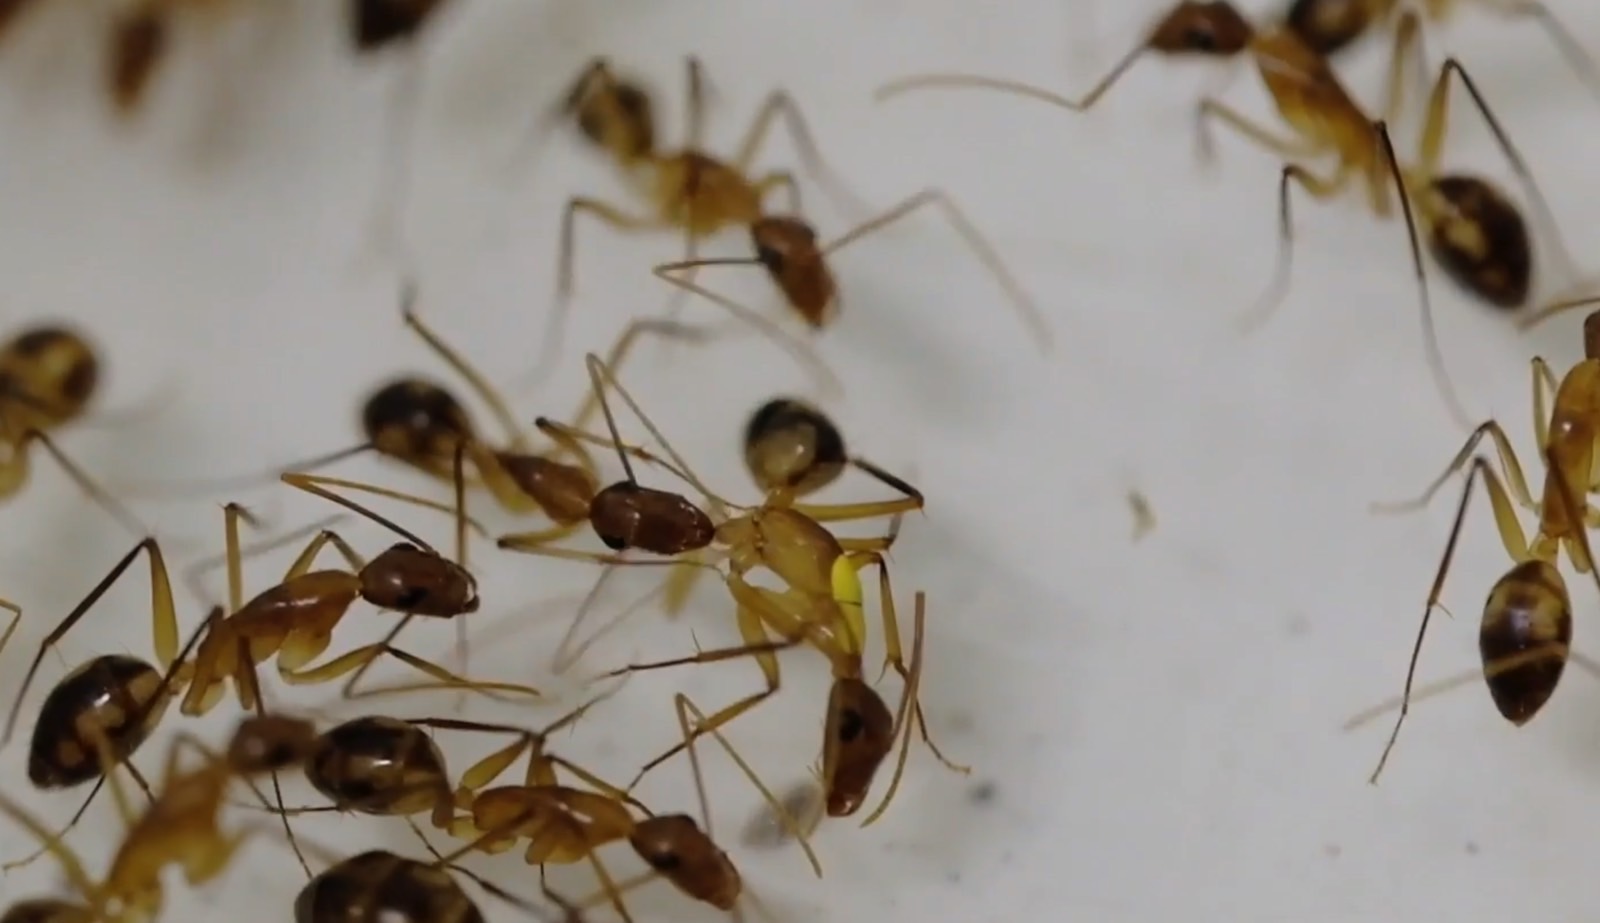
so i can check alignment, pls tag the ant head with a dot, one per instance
(789, 444)
(1327, 26)
(1213, 29)
(267, 743)
(858, 736)
(407, 579)
(619, 117)
(50, 372)
(416, 421)
(375, 24)
(1591, 335)
(787, 247)
(627, 515)
(1480, 238)
(47, 910)
(563, 491)
(675, 846)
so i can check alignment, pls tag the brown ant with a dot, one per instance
(380, 885)
(689, 189)
(1329, 26)
(1526, 633)
(180, 827)
(822, 603)
(1478, 236)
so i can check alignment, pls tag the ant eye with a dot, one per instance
(614, 542)
(1202, 38)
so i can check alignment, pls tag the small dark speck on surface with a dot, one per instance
(952, 877)
(1297, 625)
(1472, 848)
(983, 794)
(1332, 850)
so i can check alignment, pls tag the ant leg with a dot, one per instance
(475, 379)
(1516, 544)
(163, 620)
(685, 707)
(894, 657)
(1012, 87)
(394, 182)
(975, 240)
(619, 353)
(1577, 58)
(16, 469)
(365, 655)
(16, 619)
(618, 220)
(1404, 51)
(1508, 464)
(800, 349)
(908, 705)
(1319, 188)
(138, 47)
(767, 183)
(1293, 147)
(71, 865)
(777, 103)
(317, 485)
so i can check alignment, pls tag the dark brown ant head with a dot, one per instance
(858, 736)
(138, 45)
(615, 114)
(48, 375)
(791, 445)
(376, 24)
(1591, 336)
(563, 491)
(405, 578)
(97, 705)
(1328, 26)
(626, 515)
(1480, 238)
(416, 421)
(47, 910)
(379, 765)
(379, 885)
(787, 247)
(268, 743)
(1527, 610)
(1214, 29)
(675, 846)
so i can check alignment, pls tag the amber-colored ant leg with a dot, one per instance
(1292, 147)
(366, 654)
(1322, 189)
(16, 619)
(71, 864)
(780, 103)
(975, 240)
(620, 351)
(1508, 463)
(1516, 545)
(686, 708)
(469, 373)
(316, 485)
(610, 215)
(947, 81)
(16, 469)
(894, 656)
(800, 349)
(163, 620)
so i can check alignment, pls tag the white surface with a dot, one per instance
(1160, 722)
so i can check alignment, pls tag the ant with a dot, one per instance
(1473, 229)
(180, 826)
(380, 885)
(1327, 27)
(688, 188)
(1526, 633)
(564, 824)
(823, 603)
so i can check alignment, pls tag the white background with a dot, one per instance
(1159, 723)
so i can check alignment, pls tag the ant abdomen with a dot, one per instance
(1524, 638)
(675, 846)
(268, 743)
(53, 373)
(417, 422)
(787, 249)
(1480, 238)
(859, 735)
(47, 910)
(96, 705)
(563, 491)
(791, 445)
(1329, 26)
(627, 515)
(378, 765)
(404, 578)
(138, 43)
(379, 885)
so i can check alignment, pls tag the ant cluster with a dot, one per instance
(792, 582)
